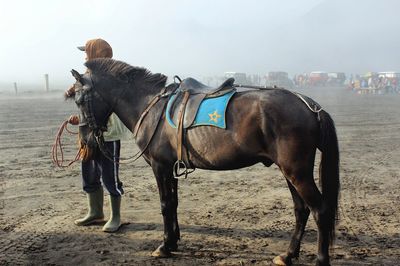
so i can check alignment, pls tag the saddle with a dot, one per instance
(188, 97)
(195, 87)
(184, 105)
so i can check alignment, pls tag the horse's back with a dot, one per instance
(276, 107)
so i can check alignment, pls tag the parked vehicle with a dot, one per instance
(390, 74)
(240, 78)
(279, 79)
(336, 78)
(318, 78)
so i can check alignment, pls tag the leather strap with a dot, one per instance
(146, 111)
(181, 115)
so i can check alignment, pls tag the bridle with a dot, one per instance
(89, 118)
(98, 129)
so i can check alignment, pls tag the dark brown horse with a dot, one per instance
(267, 126)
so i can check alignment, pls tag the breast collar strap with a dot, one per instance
(162, 94)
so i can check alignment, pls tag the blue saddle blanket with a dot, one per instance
(211, 111)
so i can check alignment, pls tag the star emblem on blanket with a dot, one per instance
(214, 116)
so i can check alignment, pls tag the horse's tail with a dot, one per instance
(329, 171)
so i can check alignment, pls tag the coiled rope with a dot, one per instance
(57, 148)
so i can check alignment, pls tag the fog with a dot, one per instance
(198, 38)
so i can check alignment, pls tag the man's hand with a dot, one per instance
(70, 92)
(73, 120)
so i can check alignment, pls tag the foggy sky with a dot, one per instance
(199, 38)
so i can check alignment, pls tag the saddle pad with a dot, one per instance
(211, 111)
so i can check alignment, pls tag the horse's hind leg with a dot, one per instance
(301, 212)
(308, 191)
(167, 187)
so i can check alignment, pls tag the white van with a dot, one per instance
(240, 78)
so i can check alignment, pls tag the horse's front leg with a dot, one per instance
(175, 225)
(168, 190)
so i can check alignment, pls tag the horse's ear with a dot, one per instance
(76, 75)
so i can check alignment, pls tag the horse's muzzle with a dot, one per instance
(86, 135)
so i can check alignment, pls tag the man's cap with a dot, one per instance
(97, 48)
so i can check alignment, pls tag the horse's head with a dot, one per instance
(109, 86)
(94, 112)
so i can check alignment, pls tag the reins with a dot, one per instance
(57, 148)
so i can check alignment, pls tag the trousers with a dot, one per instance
(102, 170)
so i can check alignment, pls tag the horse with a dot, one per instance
(272, 126)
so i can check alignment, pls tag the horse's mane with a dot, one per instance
(124, 71)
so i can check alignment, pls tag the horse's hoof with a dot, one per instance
(319, 263)
(161, 252)
(282, 260)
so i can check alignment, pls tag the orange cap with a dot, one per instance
(97, 48)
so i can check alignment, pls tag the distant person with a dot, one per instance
(364, 83)
(101, 167)
(395, 85)
(370, 82)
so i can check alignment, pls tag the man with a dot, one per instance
(100, 166)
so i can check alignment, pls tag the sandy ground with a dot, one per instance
(242, 217)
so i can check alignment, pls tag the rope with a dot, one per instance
(317, 109)
(57, 148)
(109, 156)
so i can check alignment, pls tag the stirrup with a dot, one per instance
(178, 172)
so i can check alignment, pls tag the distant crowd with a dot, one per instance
(375, 82)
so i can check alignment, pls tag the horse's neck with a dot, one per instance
(131, 105)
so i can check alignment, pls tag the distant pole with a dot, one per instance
(15, 88)
(46, 80)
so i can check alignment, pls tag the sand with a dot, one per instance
(242, 217)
